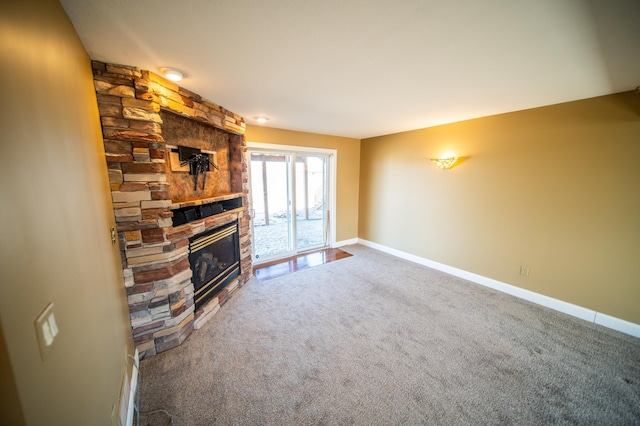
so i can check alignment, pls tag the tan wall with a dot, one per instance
(348, 169)
(54, 223)
(10, 408)
(556, 189)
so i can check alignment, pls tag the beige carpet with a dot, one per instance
(374, 340)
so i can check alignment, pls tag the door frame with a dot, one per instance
(332, 159)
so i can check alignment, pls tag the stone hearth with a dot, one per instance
(143, 118)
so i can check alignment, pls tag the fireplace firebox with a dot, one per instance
(215, 261)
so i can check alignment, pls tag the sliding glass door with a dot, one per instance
(271, 205)
(289, 202)
(310, 201)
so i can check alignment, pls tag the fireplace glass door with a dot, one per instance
(289, 193)
(214, 258)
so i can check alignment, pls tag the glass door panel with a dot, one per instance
(310, 201)
(271, 203)
(289, 202)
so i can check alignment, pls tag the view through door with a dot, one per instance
(289, 201)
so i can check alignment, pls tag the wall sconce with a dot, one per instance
(445, 162)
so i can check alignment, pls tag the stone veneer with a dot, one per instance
(155, 254)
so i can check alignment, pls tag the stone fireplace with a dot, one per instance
(161, 207)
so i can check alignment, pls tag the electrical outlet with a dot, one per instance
(46, 330)
(524, 271)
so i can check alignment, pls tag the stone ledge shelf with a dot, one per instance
(199, 226)
(195, 203)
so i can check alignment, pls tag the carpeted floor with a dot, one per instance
(375, 340)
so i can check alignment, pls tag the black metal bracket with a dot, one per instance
(198, 163)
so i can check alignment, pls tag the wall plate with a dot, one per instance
(46, 330)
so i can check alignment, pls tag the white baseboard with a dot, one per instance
(618, 324)
(134, 388)
(537, 298)
(345, 242)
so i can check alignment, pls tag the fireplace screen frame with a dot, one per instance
(205, 290)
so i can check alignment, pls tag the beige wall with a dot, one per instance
(10, 407)
(556, 189)
(348, 169)
(54, 224)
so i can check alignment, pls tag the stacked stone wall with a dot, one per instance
(154, 254)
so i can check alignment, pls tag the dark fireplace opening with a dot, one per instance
(215, 261)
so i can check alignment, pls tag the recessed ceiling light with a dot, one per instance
(261, 119)
(171, 74)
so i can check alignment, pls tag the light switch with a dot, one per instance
(46, 330)
(52, 325)
(48, 338)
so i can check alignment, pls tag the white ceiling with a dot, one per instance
(362, 68)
